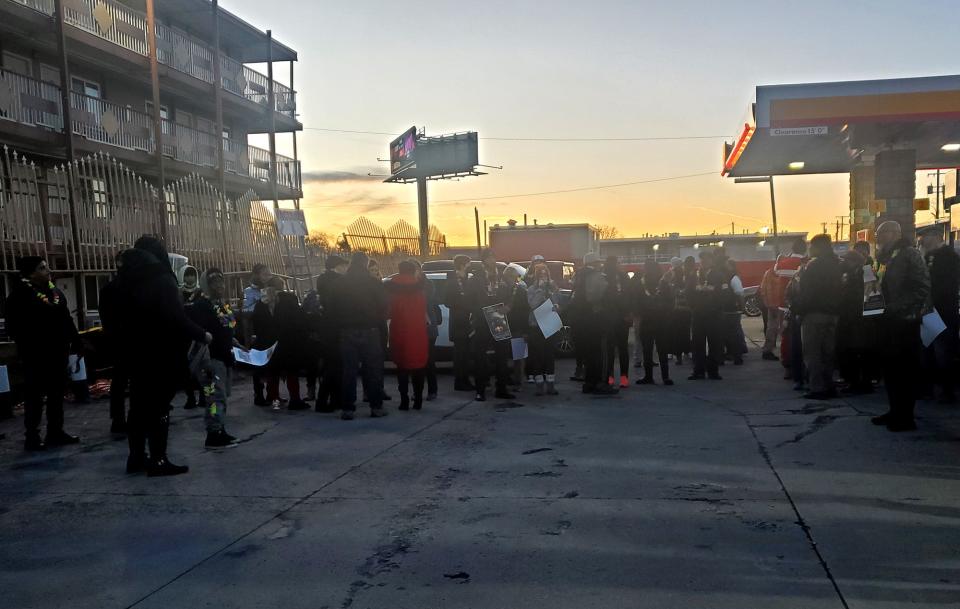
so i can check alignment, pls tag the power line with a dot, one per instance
(546, 139)
(538, 194)
(584, 188)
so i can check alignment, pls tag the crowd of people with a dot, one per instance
(846, 323)
(171, 332)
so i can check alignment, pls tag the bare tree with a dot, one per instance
(605, 231)
(319, 240)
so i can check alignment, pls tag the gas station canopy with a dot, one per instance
(828, 127)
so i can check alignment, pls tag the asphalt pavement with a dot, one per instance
(710, 494)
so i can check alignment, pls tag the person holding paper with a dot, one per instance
(486, 288)
(852, 329)
(943, 264)
(542, 361)
(517, 316)
(40, 324)
(905, 285)
(251, 296)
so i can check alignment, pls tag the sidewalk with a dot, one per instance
(733, 494)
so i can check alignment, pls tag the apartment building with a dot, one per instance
(83, 174)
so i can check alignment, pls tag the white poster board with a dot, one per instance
(254, 357)
(548, 319)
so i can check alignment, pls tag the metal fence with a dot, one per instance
(112, 206)
(400, 239)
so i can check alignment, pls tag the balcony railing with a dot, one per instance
(101, 121)
(28, 101)
(37, 104)
(127, 28)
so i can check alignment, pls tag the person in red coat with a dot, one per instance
(408, 332)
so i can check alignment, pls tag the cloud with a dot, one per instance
(356, 174)
(359, 201)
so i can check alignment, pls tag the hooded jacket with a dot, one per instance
(359, 301)
(153, 329)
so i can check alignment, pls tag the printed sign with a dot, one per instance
(782, 131)
(291, 222)
(496, 316)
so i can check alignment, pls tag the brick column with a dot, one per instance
(861, 195)
(895, 183)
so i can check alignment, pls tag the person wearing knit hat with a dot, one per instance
(39, 322)
(589, 304)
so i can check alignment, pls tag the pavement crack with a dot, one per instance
(801, 522)
(818, 424)
(299, 502)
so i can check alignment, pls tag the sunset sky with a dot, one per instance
(601, 69)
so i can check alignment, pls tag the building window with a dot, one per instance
(173, 214)
(18, 64)
(92, 284)
(97, 195)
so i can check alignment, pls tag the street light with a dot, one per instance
(773, 206)
(656, 248)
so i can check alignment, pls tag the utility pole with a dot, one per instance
(157, 120)
(66, 110)
(476, 219)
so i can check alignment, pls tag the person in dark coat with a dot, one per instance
(706, 301)
(619, 318)
(655, 301)
(905, 286)
(460, 328)
(818, 306)
(680, 317)
(486, 288)
(40, 324)
(373, 267)
(943, 264)
(153, 329)
(590, 302)
(360, 308)
(852, 360)
(278, 320)
(251, 296)
(328, 395)
(119, 377)
(409, 336)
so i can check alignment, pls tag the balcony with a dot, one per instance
(127, 28)
(33, 103)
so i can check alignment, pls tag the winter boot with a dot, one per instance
(551, 382)
(159, 465)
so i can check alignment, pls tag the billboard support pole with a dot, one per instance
(424, 219)
(476, 219)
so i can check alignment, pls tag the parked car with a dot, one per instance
(752, 306)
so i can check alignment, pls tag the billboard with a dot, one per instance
(402, 151)
(447, 154)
